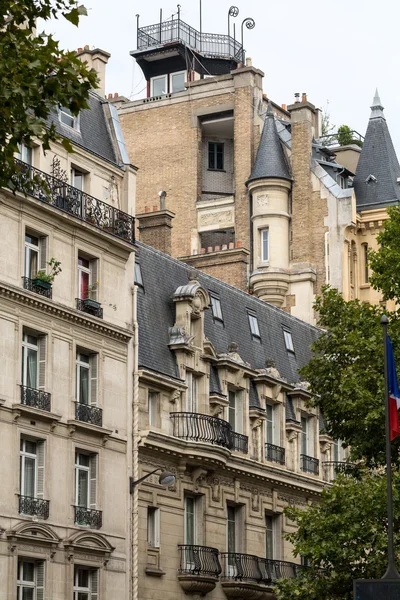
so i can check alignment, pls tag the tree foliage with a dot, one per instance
(344, 537)
(385, 262)
(36, 76)
(345, 136)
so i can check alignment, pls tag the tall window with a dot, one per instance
(153, 408)
(159, 86)
(153, 527)
(232, 523)
(191, 392)
(265, 245)
(216, 156)
(253, 322)
(269, 536)
(25, 154)
(84, 277)
(31, 473)
(31, 256)
(33, 360)
(190, 520)
(86, 378)
(85, 480)
(365, 261)
(77, 179)
(235, 411)
(288, 340)
(138, 279)
(86, 583)
(272, 428)
(304, 436)
(177, 81)
(30, 582)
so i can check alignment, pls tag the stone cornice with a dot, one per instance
(24, 297)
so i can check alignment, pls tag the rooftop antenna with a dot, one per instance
(160, 22)
(250, 24)
(137, 30)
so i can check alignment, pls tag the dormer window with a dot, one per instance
(67, 118)
(138, 279)
(371, 179)
(159, 86)
(216, 308)
(253, 322)
(288, 340)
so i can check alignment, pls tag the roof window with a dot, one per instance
(138, 279)
(288, 340)
(67, 118)
(253, 322)
(216, 308)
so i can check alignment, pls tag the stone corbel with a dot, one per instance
(175, 396)
(71, 430)
(256, 423)
(198, 475)
(276, 390)
(325, 443)
(291, 435)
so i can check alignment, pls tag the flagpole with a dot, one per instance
(391, 572)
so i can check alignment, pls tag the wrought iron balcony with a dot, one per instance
(275, 453)
(332, 468)
(309, 464)
(272, 570)
(34, 506)
(240, 567)
(80, 205)
(35, 398)
(89, 414)
(212, 45)
(91, 307)
(199, 560)
(206, 428)
(34, 285)
(87, 516)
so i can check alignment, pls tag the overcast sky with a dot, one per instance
(337, 52)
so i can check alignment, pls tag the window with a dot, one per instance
(304, 436)
(25, 154)
(235, 412)
(86, 583)
(138, 279)
(66, 117)
(327, 259)
(30, 582)
(86, 378)
(216, 308)
(77, 179)
(177, 81)
(191, 392)
(153, 527)
(87, 278)
(85, 480)
(34, 255)
(153, 408)
(253, 322)
(216, 156)
(190, 521)
(365, 261)
(31, 459)
(288, 340)
(33, 361)
(264, 245)
(158, 86)
(272, 426)
(233, 528)
(337, 451)
(270, 536)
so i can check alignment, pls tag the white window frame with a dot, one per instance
(29, 346)
(152, 79)
(24, 454)
(68, 114)
(216, 308)
(275, 533)
(152, 402)
(264, 232)
(192, 392)
(25, 154)
(85, 365)
(81, 270)
(86, 469)
(235, 410)
(275, 425)
(253, 324)
(170, 81)
(30, 248)
(91, 594)
(195, 517)
(288, 340)
(22, 584)
(73, 173)
(305, 432)
(153, 527)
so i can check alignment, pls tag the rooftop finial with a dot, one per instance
(270, 112)
(376, 108)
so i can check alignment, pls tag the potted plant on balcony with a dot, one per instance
(90, 302)
(44, 280)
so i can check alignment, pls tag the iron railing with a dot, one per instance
(91, 308)
(272, 570)
(332, 468)
(206, 428)
(275, 453)
(35, 398)
(33, 286)
(212, 45)
(69, 199)
(240, 567)
(89, 414)
(34, 506)
(199, 560)
(309, 464)
(89, 517)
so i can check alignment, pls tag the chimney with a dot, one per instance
(304, 97)
(155, 227)
(97, 60)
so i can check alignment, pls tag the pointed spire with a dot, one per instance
(271, 161)
(376, 108)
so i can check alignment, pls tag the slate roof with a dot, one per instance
(162, 275)
(377, 158)
(94, 133)
(271, 160)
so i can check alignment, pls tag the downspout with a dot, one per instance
(135, 455)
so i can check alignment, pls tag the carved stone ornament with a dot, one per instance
(175, 396)
(263, 200)
(291, 435)
(216, 218)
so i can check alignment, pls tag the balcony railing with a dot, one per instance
(240, 567)
(332, 468)
(87, 516)
(275, 453)
(308, 464)
(34, 506)
(212, 45)
(33, 286)
(80, 205)
(35, 398)
(272, 570)
(89, 414)
(206, 428)
(199, 560)
(91, 308)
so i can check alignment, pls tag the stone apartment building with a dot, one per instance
(254, 195)
(67, 356)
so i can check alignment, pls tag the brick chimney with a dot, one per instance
(155, 227)
(97, 60)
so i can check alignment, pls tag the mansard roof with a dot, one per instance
(271, 161)
(162, 275)
(378, 169)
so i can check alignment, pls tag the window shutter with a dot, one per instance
(239, 412)
(42, 341)
(94, 277)
(94, 585)
(276, 426)
(40, 469)
(93, 482)
(93, 362)
(43, 253)
(40, 581)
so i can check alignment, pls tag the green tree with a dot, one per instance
(345, 136)
(385, 262)
(344, 537)
(36, 76)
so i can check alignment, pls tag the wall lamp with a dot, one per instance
(166, 478)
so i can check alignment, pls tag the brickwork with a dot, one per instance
(230, 266)
(155, 229)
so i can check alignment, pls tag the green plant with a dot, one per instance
(92, 288)
(55, 269)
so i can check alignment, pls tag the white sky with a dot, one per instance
(336, 52)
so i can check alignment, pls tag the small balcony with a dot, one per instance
(195, 427)
(88, 517)
(33, 506)
(332, 468)
(309, 464)
(35, 398)
(89, 414)
(199, 569)
(78, 204)
(38, 286)
(91, 307)
(275, 454)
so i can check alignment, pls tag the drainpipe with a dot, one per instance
(135, 454)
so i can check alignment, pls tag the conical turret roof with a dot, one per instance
(378, 169)
(271, 161)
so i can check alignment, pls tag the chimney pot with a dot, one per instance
(284, 106)
(109, 96)
(297, 97)
(80, 49)
(224, 247)
(155, 208)
(202, 250)
(249, 62)
(231, 245)
(210, 249)
(146, 209)
(238, 244)
(86, 46)
(116, 95)
(304, 97)
(217, 248)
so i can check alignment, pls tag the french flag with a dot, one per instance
(394, 393)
